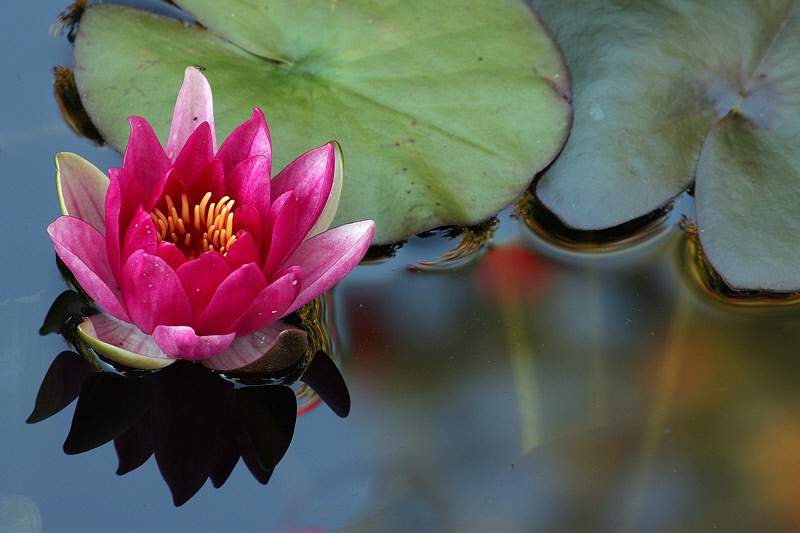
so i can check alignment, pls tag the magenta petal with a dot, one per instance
(144, 157)
(153, 293)
(194, 156)
(243, 251)
(248, 139)
(82, 248)
(311, 178)
(326, 258)
(232, 298)
(201, 278)
(171, 255)
(123, 198)
(81, 189)
(285, 237)
(182, 342)
(211, 179)
(272, 303)
(249, 183)
(332, 203)
(194, 106)
(140, 235)
(247, 216)
(271, 349)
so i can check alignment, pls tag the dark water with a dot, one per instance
(530, 388)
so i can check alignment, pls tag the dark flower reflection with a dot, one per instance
(196, 422)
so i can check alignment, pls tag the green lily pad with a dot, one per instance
(670, 92)
(445, 110)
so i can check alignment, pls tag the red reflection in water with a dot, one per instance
(512, 273)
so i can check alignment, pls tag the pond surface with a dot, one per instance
(529, 388)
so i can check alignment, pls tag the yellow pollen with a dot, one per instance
(196, 228)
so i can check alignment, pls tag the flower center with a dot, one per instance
(197, 228)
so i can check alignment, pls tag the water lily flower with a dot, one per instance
(191, 250)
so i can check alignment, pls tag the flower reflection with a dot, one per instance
(194, 421)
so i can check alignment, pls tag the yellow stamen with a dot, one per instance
(185, 210)
(197, 217)
(173, 213)
(229, 224)
(210, 216)
(220, 205)
(204, 202)
(212, 220)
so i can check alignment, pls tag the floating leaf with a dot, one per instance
(667, 92)
(445, 109)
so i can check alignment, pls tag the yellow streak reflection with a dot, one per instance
(657, 418)
(523, 367)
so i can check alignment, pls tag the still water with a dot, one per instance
(526, 387)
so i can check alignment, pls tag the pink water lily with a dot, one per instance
(192, 251)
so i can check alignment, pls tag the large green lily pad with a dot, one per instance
(445, 110)
(668, 92)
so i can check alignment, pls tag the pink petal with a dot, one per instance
(248, 139)
(171, 255)
(246, 217)
(232, 298)
(242, 251)
(81, 189)
(122, 342)
(327, 258)
(140, 235)
(272, 303)
(123, 198)
(311, 178)
(332, 204)
(153, 293)
(194, 156)
(144, 157)
(201, 278)
(210, 179)
(194, 106)
(82, 248)
(284, 237)
(183, 343)
(271, 349)
(249, 183)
